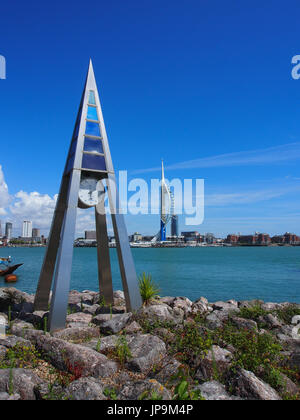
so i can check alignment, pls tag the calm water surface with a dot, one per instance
(271, 274)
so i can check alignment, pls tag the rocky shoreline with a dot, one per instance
(172, 349)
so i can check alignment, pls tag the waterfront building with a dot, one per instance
(174, 225)
(27, 229)
(8, 230)
(36, 233)
(0, 230)
(90, 235)
(136, 237)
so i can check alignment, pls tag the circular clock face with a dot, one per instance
(88, 193)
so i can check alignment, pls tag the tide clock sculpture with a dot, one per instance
(88, 167)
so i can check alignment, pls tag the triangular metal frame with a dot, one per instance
(59, 252)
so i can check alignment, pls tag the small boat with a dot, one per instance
(7, 269)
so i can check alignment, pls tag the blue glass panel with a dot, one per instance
(91, 145)
(92, 129)
(92, 99)
(92, 113)
(93, 162)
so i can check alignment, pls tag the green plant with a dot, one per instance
(183, 390)
(20, 356)
(190, 343)
(253, 312)
(110, 393)
(122, 351)
(148, 289)
(98, 346)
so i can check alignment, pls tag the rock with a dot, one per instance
(90, 309)
(47, 391)
(133, 328)
(183, 304)
(244, 324)
(146, 350)
(165, 334)
(161, 313)
(4, 396)
(105, 344)
(216, 319)
(85, 389)
(215, 363)
(112, 324)
(119, 294)
(294, 360)
(287, 386)
(230, 306)
(214, 391)
(250, 303)
(289, 343)
(78, 319)
(270, 306)
(74, 357)
(10, 296)
(201, 306)
(119, 298)
(107, 310)
(26, 307)
(167, 300)
(143, 389)
(271, 321)
(166, 373)
(30, 334)
(77, 333)
(36, 318)
(246, 385)
(23, 382)
(11, 341)
(18, 327)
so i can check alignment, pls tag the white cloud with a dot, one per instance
(270, 155)
(4, 195)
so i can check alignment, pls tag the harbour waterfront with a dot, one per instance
(242, 273)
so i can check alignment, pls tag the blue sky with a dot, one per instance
(198, 82)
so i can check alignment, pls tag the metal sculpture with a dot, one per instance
(88, 165)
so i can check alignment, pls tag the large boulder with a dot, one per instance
(74, 358)
(162, 313)
(112, 324)
(246, 385)
(167, 372)
(85, 389)
(9, 297)
(214, 364)
(147, 389)
(19, 381)
(11, 341)
(146, 351)
(214, 391)
(77, 333)
(244, 324)
(78, 319)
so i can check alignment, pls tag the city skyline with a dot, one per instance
(216, 86)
